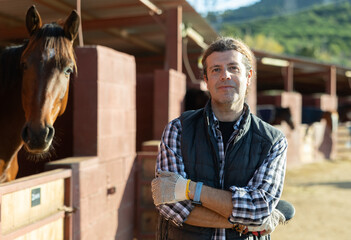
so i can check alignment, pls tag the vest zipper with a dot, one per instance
(214, 151)
(234, 140)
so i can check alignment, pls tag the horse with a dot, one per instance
(311, 115)
(344, 111)
(34, 82)
(275, 115)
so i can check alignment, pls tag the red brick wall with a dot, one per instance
(105, 127)
(145, 108)
(169, 92)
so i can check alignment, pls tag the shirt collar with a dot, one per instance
(241, 119)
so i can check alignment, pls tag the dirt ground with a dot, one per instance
(321, 194)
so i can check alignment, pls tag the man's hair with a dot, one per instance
(225, 44)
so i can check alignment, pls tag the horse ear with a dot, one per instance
(33, 20)
(72, 25)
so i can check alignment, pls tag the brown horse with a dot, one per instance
(34, 81)
(275, 115)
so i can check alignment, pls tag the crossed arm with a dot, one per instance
(248, 206)
(215, 210)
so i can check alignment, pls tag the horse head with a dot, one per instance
(284, 114)
(47, 63)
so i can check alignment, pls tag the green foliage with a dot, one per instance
(322, 32)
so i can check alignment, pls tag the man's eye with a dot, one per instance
(215, 70)
(234, 69)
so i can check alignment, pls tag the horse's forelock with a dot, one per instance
(52, 36)
(63, 51)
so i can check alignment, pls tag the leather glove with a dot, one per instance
(168, 187)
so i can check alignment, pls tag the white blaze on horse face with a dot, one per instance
(47, 55)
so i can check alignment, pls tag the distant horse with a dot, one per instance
(311, 115)
(344, 111)
(275, 115)
(34, 81)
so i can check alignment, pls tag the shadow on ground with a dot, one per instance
(343, 185)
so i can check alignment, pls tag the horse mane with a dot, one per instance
(10, 68)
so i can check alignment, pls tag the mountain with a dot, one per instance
(320, 30)
(266, 9)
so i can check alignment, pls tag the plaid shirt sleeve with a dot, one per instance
(255, 202)
(169, 159)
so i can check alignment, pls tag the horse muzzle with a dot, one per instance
(37, 140)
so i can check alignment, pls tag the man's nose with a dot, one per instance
(225, 74)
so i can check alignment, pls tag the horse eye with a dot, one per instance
(68, 70)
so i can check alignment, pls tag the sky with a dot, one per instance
(203, 6)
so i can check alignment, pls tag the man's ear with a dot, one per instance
(249, 77)
(205, 78)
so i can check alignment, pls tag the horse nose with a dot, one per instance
(38, 139)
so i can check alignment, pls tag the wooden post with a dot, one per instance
(68, 233)
(331, 81)
(174, 39)
(80, 30)
(289, 77)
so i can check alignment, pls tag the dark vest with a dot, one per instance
(201, 155)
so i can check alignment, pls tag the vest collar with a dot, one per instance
(212, 121)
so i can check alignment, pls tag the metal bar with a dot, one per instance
(80, 31)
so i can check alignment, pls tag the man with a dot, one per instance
(220, 169)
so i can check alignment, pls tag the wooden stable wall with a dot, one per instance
(104, 130)
(34, 207)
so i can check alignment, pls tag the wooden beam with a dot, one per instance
(153, 8)
(119, 22)
(57, 5)
(61, 6)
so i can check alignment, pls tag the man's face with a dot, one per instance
(227, 78)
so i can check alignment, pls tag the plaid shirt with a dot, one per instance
(250, 202)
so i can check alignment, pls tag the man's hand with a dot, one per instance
(168, 187)
(267, 227)
(269, 223)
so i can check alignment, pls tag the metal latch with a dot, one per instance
(67, 209)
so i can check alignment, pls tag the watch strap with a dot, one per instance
(197, 193)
